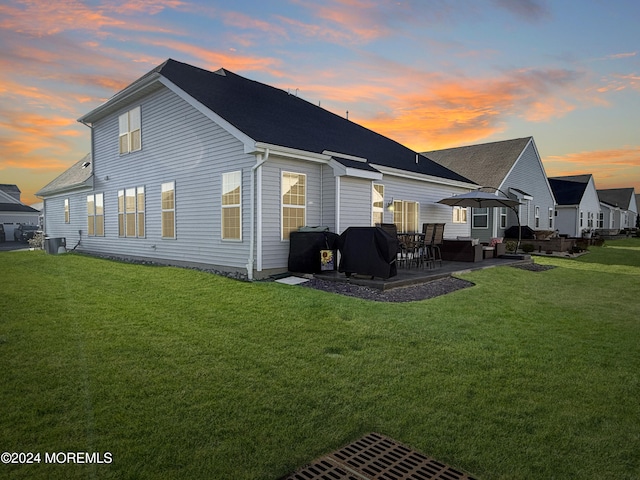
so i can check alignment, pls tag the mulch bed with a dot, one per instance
(400, 294)
(533, 267)
(411, 293)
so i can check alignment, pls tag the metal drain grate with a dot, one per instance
(375, 456)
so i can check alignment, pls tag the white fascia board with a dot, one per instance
(424, 178)
(288, 152)
(121, 97)
(247, 141)
(520, 194)
(341, 171)
(87, 185)
(345, 156)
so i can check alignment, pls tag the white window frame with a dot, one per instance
(168, 208)
(503, 217)
(537, 216)
(131, 202)
(551, 214)
(404, 220)
(377, 203)
(475, 214)
(130, 131)
(231, 180)
(286, 226)
(67, 211)
(95, 215)
(460, 215)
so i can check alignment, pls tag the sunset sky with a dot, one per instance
(430, 74)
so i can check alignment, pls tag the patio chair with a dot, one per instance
(412, 249)
(438, 236)
(428, 257)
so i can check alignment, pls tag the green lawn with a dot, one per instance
(179, 374)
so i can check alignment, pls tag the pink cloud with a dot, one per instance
(213, 59)
(40, 18)
(613, 168)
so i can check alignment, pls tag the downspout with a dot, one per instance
(93, 168)
(252, 241)
(337, 205)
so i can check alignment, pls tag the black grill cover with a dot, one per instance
(368, 251)
(304, 250)
(512, 232)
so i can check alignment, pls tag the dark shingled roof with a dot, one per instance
(618, 197)
(271, 115)
(76, 176)
(569, 190)
(486, 164)
(16, 207)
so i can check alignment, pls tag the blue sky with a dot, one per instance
(430, 74)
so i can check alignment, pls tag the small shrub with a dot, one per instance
(37, 241)
(510, 246)
(528, 248)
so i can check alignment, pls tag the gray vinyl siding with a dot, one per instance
(568, 217)
(426, 194)
(54, 225)
(355, 202)
(529, 176)
(590, 204)
(275, 251)
(179, 145)
(567, 220)
(328, 197)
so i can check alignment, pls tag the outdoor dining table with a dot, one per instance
(411, 249)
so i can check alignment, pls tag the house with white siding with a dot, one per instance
(194, 167)
(619, 207)
(13, 212)
(513, 167)
(578, 210)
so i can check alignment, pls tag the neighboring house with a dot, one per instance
(13, 212)
(515, 168)
(578, 209)
(190, 166)
(619, 207)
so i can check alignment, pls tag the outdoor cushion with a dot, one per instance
(494, 241)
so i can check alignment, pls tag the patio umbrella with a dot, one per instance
(478, 199)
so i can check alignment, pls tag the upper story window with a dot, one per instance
(130, 131)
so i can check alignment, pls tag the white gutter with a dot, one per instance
(261, 159)
(289, 152)
(423, 177)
